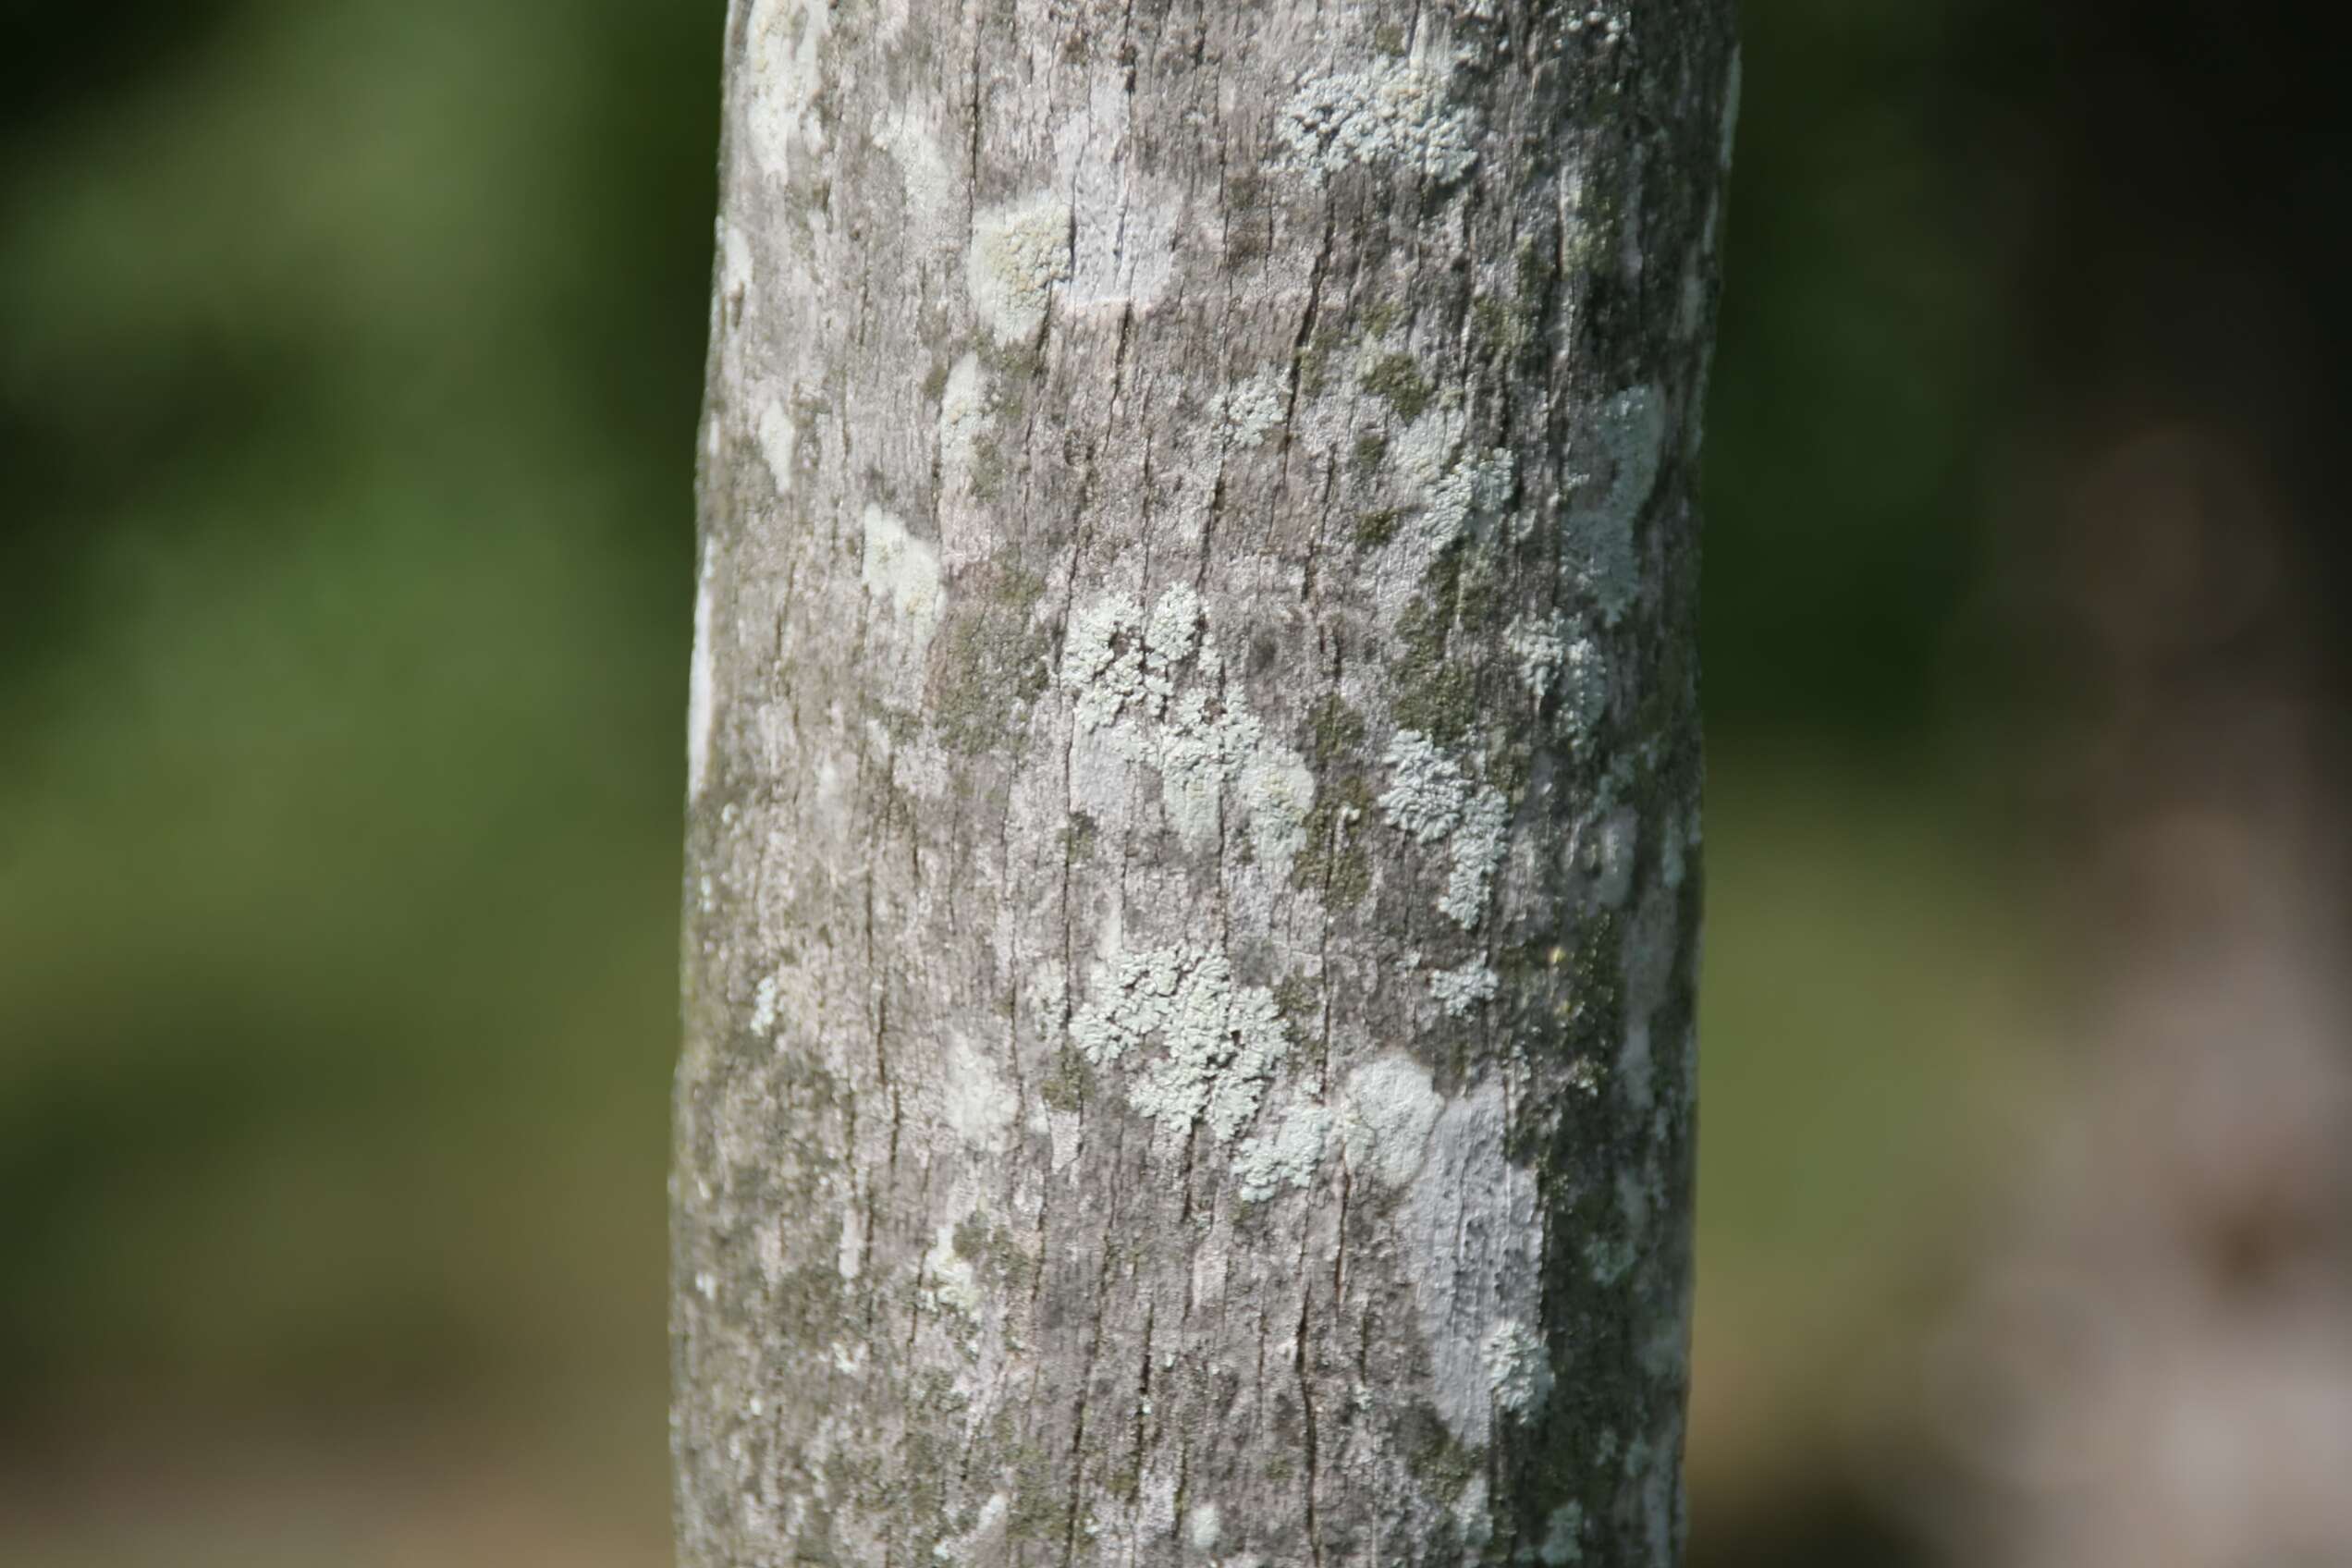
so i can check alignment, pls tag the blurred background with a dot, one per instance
(350, 354)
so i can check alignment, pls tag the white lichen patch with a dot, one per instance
(849, 1257)
(1277, 790)
(1102, 660)
(1218, 1043)
(764, 1006)
(1171, 636)
(1385, 1114)
(1674, 867)
(1583, 692)
(1426, 788)
(1538, 646)
(1474, 1514)
(1430, 797)
(1563, 1541)
(1392, 113)
(1117, 662)
(950, 1284)
(1518, 1370)
(736, 274)
(1244, 411)
(1423, 451)
(1616, 840)
(785, 71)
(1623, 449)
(1124, 669)
(702, 711)
(1459, 989)
(1205, 1527)
(1286, 1157)
(975, 1102)
(1124, 222)
(901, 572)
(1452, 487)
(1019, 251)
(1472, 1226)
(1478, 844)
(779, 437)
(922, 172)
(1478, 484)
(963, 416)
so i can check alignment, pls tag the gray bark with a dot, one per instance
(1192, 901)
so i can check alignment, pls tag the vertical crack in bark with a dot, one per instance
(1307, 1414)
(1076, 1492)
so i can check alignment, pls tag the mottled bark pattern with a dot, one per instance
(1193, 885)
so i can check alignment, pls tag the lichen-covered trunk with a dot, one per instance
(1192, 891)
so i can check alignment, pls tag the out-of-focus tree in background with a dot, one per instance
(348, 363)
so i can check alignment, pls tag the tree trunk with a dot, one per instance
(1192, 902)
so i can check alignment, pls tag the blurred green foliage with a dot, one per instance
(346, 404)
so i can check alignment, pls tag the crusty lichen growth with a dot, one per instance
(1249, 409)
(1621, 453)
(1156, 686)
(1018, 252)
(1390, 112)
(1218, 1043)
(1289, 1156)
(1193, 867)
(1460, 989)
(1518, 1367)
(1427, 789)
(1480, 839)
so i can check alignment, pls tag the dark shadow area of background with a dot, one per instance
(349, 359)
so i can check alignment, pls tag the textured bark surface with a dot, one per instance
(1193, 900)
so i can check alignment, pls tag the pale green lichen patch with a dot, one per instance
(949, 1282)
(1427, 789)
(1478, 844)
(787, 41)
(1472, 1219)
(1460, 989)
(1218, 1043)
(1114, 659)
(1386, 1115)
(1563, 1541)
(1552, 653)
(1624, 449)
(922, 172)
(900, 572)
(1288, 1156)
(1156, 686)
(1453, 487)
(963, 416)
(764, 1007)
(778, 438)
(1540, 647)
(1430, 797)
(1247, 410)
(1518, 1370)
(1018, 252)
(1392, 113)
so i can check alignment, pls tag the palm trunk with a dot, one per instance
(1193, 888)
